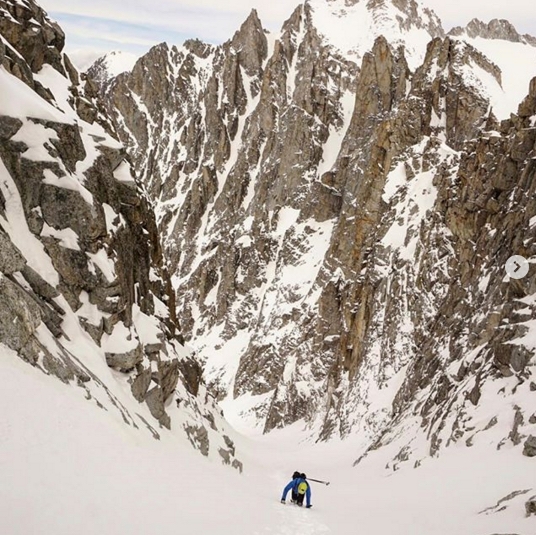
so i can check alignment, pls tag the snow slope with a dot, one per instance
(118, 62)
(352, 27)
(67, 467)
(112, 64)
(18, 100)
(517, 62)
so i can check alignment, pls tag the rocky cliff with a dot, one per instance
(85, 293)
(336, 219)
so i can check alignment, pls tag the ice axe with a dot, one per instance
(318, 481)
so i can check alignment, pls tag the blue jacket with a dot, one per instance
(293, 485)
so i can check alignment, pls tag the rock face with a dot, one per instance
(82, 277)
(530, 507)
(529, 448)
(337, 232)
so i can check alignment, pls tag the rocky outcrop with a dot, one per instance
(82, 276)
(26, 28)
(512, 501)
(529, 448)
(530, 506)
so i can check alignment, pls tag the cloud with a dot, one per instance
(95, 30)
(273, 12)
(208, 20)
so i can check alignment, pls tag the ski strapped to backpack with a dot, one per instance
(297, 474)
(318, 481)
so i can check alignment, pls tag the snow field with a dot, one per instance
(67, 467)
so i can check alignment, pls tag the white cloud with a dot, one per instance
(106, 33)
(274, 12)
(170, 13)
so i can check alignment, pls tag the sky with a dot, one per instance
(94, 28)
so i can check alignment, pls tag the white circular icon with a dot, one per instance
(517, 267)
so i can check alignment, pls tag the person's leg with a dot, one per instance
(294, 497)
(300, 499)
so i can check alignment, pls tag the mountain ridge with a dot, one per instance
(494, 29)
(331, 237)
(293, 264)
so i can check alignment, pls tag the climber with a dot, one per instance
(300, 489)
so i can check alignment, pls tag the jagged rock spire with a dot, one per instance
(251, 44)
